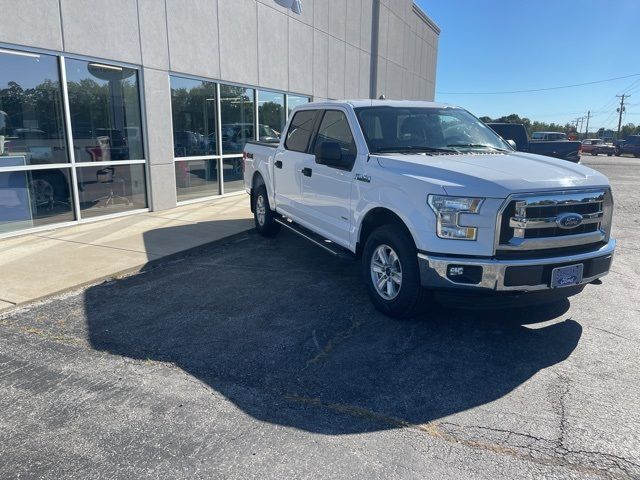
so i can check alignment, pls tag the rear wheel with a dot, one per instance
(390, 271)
(263, 216)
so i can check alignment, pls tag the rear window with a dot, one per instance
(557, 136)
(300, 131)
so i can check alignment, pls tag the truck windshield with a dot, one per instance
(425, 130)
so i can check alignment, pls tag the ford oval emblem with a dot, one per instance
(567, 221)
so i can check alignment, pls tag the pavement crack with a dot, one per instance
(537, 450)
(337, 339)
(613, 333)
(562, 409)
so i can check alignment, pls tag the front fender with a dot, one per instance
(410, 205)
(412, 209)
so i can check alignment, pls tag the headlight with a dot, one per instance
(448, 210)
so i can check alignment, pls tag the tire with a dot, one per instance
(405, 296)
(263, 216)
(594, 153)
(609, 154)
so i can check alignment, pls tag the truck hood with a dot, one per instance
(493, 175)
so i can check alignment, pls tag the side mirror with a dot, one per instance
(513, 144)
(330, 154)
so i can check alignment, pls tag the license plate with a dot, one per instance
(566, 276)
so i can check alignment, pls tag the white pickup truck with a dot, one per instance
(432, 200)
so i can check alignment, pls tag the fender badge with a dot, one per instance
(363, 178)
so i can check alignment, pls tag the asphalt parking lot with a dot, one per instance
(257, 358)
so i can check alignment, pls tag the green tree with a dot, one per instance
(535, 126)
(272, 114)
(629, 129)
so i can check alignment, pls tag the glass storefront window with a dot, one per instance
(270, 115)
(294, 100)
(233, 175)
(31, 119)
(196, 179)
(34, 198)
(111, 189)
(106, 123)
(105, 111)
(236, 109)
(193, 107)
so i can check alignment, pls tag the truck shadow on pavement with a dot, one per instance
(288, 335)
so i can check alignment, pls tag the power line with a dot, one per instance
(540, 89)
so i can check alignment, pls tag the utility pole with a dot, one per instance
(621, 110)
(581, 124)
(586, 131)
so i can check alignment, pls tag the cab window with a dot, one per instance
(334, 128)
(300, 131)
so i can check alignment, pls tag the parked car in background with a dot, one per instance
(188, 144)
(596, 146)
(548, 136)
(560, 148)
(235, 135)
(425, 195)
(630, 146)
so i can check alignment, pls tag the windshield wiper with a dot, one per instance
(414, 148)
(477, 145)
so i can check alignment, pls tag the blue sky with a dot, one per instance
(502, 45)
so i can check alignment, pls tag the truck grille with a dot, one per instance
(554, 220)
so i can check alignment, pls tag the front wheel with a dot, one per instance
(390, 271)
(263, 216)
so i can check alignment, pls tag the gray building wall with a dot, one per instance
(333, 49)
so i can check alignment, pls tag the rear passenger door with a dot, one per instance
(326, 188)
(289, 162)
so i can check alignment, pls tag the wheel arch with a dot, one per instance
(377, 217)
(256, 181)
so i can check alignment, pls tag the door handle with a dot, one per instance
(278, 164)
(307, 171)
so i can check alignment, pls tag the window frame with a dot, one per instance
(72, 164)
(220, 156)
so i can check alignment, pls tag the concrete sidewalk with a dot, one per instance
(41, 264)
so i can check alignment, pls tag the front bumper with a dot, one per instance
(522, 275)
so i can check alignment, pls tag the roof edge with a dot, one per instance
(425, 18)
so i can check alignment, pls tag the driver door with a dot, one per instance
(326, 189)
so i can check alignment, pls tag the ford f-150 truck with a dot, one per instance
(431, 200)
(546, 144)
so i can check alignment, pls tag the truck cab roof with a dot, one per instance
(377, 103)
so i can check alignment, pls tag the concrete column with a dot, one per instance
(157, 98)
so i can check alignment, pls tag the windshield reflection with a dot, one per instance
(426, 130)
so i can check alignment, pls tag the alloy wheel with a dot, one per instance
(386, 272)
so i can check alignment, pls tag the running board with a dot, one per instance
(327, 245)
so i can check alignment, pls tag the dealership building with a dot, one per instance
(112, 107)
